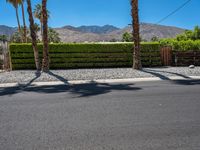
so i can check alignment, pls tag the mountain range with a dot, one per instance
(6, 30)
(106, 32)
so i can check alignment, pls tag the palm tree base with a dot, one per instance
(45, 65)
(137, 67)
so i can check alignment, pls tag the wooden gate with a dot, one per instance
(166, 56)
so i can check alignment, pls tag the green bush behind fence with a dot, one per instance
(181, 45)
(90, 55)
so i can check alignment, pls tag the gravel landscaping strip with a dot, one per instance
(27, 76)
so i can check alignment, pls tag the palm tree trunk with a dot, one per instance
(45, 62)
(136, 35)
(41, 29)
(33, 36)
(18, 22)
(24, 22)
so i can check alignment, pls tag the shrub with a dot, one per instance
(181, 45)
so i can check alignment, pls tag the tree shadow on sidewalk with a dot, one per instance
(157, 73)
(79, 90)
(186, 81)
(60, 78)
(37, 75)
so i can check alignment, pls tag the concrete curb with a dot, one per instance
(128, 80)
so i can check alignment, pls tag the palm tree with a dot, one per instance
(37, 29)
(45, 61)
(38, 14)
(136, 35)
(24, 21)
(15, 4)
(33, 35)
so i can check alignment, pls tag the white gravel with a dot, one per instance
(27, 76)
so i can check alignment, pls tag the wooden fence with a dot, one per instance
(171, 57)
(181, 58)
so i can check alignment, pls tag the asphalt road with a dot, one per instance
(162, 115)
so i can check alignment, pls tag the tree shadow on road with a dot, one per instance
(79, 90)
(186, 82)
(94, 88)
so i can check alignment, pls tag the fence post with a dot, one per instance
(194, 58)
(176, 59)
(166, 56)
(6, 56)
(1, 56)
(150, 58)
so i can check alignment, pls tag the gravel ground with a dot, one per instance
(91, 74)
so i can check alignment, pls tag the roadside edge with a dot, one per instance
(127, 80)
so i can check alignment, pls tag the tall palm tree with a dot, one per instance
(45, 61)
(136, 35)
(38, 14)
(33, 35)
(15, 4)
(37, 29)
(24, 21)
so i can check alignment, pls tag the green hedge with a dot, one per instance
(64, 56)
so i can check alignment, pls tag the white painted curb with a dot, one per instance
(128, 80)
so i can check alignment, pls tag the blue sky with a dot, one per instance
(114, 12)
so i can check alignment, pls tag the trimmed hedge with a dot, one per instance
(92, 55)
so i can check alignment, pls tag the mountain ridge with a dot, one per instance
(95, 33)
(6, 30)
(92, 28)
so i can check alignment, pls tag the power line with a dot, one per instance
(172, 13)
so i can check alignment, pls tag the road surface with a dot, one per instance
(161, 115)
